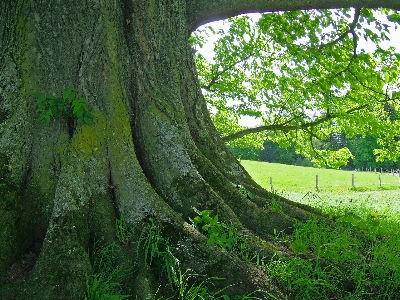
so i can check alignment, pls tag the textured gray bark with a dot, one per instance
(152, 150)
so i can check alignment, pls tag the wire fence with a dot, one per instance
(353, 183)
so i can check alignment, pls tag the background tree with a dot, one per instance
(363, 150)
(151, 150)
(306, 76)
(272, 152)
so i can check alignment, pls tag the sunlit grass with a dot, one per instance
(303, 179)
(356, 258)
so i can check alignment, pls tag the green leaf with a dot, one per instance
(76, 104)
(68, 93)
(197, 220)
(41, 98)
(88, 120)
(79, 112)
(394, 17)
(49, 106)
(215, 220)
(206, 213)
(207, 219)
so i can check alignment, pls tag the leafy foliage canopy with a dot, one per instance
(305, 75)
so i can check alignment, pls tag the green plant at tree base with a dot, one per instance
(357, 259)
(226, 236)
(244, 191)
(199, 290)
(275, 206)
(106, 282)
(99, 288)
(125, 233)
(218, 233)
(70, 106)
(157, 248)
(184, 285)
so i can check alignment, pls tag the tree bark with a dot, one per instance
(151, 152)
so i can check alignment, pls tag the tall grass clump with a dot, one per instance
(182, 285)
(106, 282)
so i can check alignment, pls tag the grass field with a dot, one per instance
(335, 188)
(303, 179)
(361, 253)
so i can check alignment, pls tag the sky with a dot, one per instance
(207, 51)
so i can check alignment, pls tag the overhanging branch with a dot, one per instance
(349, 30)
(200, 12)
(285, 127)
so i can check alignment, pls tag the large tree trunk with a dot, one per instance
(152, 151)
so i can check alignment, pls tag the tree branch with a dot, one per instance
(365, 86)
(200, 12)
(349, 30)
(315, 151)
(355, 43)
(231, 66)
(285, 128)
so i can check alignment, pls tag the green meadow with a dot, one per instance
(358, 257)
(335, 193)
(303, 179)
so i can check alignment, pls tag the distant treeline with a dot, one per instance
(361, 147)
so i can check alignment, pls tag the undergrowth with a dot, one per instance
(357, 258)
(106, 282)
(352, 254)
(185, 285)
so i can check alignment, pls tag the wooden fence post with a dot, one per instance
(270, 182)
(352, 180)
(316, 182)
